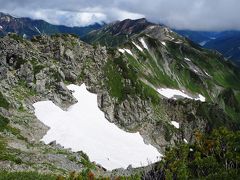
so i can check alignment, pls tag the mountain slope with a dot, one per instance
(28, 28)
(117, 32)
(130, 81)
(162, 58)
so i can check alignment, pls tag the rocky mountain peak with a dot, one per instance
(5, 18)
(127, 26)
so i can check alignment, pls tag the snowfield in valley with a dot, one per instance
(84, 127)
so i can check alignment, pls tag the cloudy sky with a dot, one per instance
(180, 14)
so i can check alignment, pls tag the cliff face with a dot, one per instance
(126, 80)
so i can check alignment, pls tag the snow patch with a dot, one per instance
(187, 59)
(203, 43)
(178, 42)
(143, 43)
(171, 38)
(1, 27)
(176, 94)
(38, 30)
(166, 30)
(151, 27)
(185, 140)
(125, 50)
(129, 51)
(163, 43)
(84, 127)
(201, 98)
(121, 50)
(207, 73)
(139, 48)
(195, 70)
(175, 124)
(172, 93)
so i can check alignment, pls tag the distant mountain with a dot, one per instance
(28, 27)
(226, 42)
(200, 37)
(117, 32)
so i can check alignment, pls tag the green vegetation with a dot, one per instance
(57, 77)
(147, 92)
(3, 102)
(105, 39)
(85, 161)
(4, 125)
(6, 154)
(19, 62)
(3, 122)
(114, 80)
(21, 91)
(37, 69)
(122, 80)
(89, 175)
(212, 156)
(5, 175)
(16, 37)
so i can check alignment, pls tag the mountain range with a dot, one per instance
(183, 99)
(226, 42)
(28, 27)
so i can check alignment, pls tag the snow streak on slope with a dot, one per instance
(176, 94)
(143, 43)
(163, 43)
(125, 50)
(38, 30)
(175, 124)
(84, 127)
(139, 48)
(187, 59)
(203, 43)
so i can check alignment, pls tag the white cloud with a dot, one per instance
(117, 14)
(184, 14)
(63, 17)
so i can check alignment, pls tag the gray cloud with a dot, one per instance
(180, 14)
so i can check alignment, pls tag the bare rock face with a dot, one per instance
(30, 72)
(40, 82)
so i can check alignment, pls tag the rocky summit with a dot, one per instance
(130, 75)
